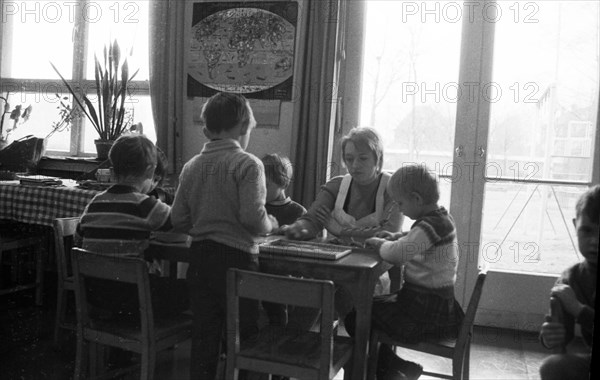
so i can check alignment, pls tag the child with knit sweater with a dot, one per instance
(220, 203)
(425, 305)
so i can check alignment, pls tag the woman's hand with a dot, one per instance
(323, 215)
(567, 298)
(374, 242)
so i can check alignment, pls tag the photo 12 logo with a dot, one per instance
(453, 12)
(69, 11)
(452, 92)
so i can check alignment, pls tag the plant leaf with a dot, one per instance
(93, 116)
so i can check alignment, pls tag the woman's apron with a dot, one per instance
(345, 220)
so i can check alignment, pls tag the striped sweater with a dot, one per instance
(120, 219)
(429, 252)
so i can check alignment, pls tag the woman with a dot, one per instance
(355, 206)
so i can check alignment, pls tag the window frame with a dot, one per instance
(80, 37)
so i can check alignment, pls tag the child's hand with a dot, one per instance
(274, 223)
(295, 231)
(567, 299)
(553, 334)
(390, 235)
(374, 242)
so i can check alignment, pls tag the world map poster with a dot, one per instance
(243, 47)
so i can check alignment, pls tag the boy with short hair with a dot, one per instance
(220, 202)
(576, 292)
(425, 305)
(119, 220)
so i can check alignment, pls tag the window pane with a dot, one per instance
(410, 76)
(41, 33)
(127, 22)
(142, 112)
(43, 114)
(546, 101)
(541, 127)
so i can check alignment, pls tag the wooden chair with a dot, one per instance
(64, 230)
(146, 338)
(456, 349)
(278, 350)
(19, 244)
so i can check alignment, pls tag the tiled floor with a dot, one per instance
(26, 350)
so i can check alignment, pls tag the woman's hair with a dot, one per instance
(417, 179)
(131, 155)
(589, 204)
(225, 110)
(278, 169)
(368, 138)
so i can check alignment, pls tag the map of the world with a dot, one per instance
(242, 50)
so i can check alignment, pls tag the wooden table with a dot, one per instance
(357, 272)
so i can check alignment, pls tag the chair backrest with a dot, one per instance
(466, 328)
(284, 290)
(125, 269)
(64, 231)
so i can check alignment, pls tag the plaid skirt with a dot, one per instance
(415, 313)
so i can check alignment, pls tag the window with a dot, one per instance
(68, 34)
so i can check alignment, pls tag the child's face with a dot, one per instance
(587, 238)
(273, 191)
(409, 204)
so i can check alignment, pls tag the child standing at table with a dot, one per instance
(220, 202)
(118, 221)
(576, 292)
(425, 304)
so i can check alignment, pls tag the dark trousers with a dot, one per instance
(207, 281)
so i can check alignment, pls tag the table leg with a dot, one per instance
(363, 296)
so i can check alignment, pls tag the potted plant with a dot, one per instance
(108, 114)
(17, 116)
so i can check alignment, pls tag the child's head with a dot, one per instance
(224, 112)
(587, 223)
(133, 159)
(367, 140)
(278, 173)
(415, 189)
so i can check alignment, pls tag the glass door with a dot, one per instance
(539, 153)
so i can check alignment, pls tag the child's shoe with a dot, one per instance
(391, 374)
(411, 370)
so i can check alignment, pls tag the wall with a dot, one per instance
(263, 139)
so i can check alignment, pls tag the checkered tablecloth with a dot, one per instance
(41, 205)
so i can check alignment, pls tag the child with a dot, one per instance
(220, 202)
(278, 173)
(576, 292)
(425, 305)
(159, 174)
(118, 221)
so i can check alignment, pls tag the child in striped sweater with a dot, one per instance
(425, 305)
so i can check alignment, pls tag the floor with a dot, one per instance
(27, 351)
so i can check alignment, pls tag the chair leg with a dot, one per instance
(60, 312)
(466, 363)
(148, 363)
(80, 358)
(39, 276)
(373, 355)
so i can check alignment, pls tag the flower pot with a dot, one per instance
(102, 148)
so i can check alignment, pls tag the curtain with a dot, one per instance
(166, 77)
(316, 110)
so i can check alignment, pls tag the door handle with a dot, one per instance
(481, 151)
(460, 150)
